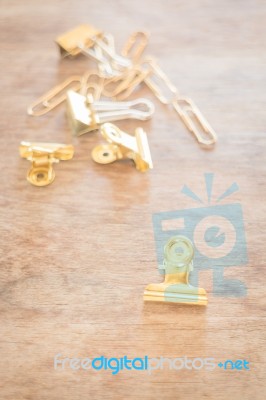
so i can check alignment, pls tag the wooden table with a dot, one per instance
(77, 255)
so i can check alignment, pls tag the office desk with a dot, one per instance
(77, 255)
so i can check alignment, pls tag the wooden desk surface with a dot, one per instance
(76, 255)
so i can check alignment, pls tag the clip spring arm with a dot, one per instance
(141, 109)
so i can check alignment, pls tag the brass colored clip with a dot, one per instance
(86, 115)
(187, 110)
(195, 121)
(178, 261)
(158, 82)
(110, 62)
(91, 42)
(42, 156)
(102, 58)
(92, 83)
(72, 42)
(135, 45)
(121, 145)
(54, 97)
(120, 87)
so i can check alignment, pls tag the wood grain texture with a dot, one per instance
(76, 255)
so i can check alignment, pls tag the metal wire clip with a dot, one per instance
(186, 108)
(178, 262)
(94, 43)
(86, 115)
(122, 145)
(42, 156)
(54, 96)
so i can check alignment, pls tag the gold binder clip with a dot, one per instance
(42, 156)
(87, 40)
(86, 115)
(72, 42)
(178, 261)
(121, 145)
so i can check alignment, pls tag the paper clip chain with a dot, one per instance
(58, 94)
(120, 87)
(186, 108)
(123, 82)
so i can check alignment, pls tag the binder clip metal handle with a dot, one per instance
(178, 263)
(122, 145)
(86, 115)
(117, 61)
(141, 109)
(42, 156)
(110, 63)
(97, 55)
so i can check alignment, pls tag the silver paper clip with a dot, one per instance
(86, 115)
(110, 63)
